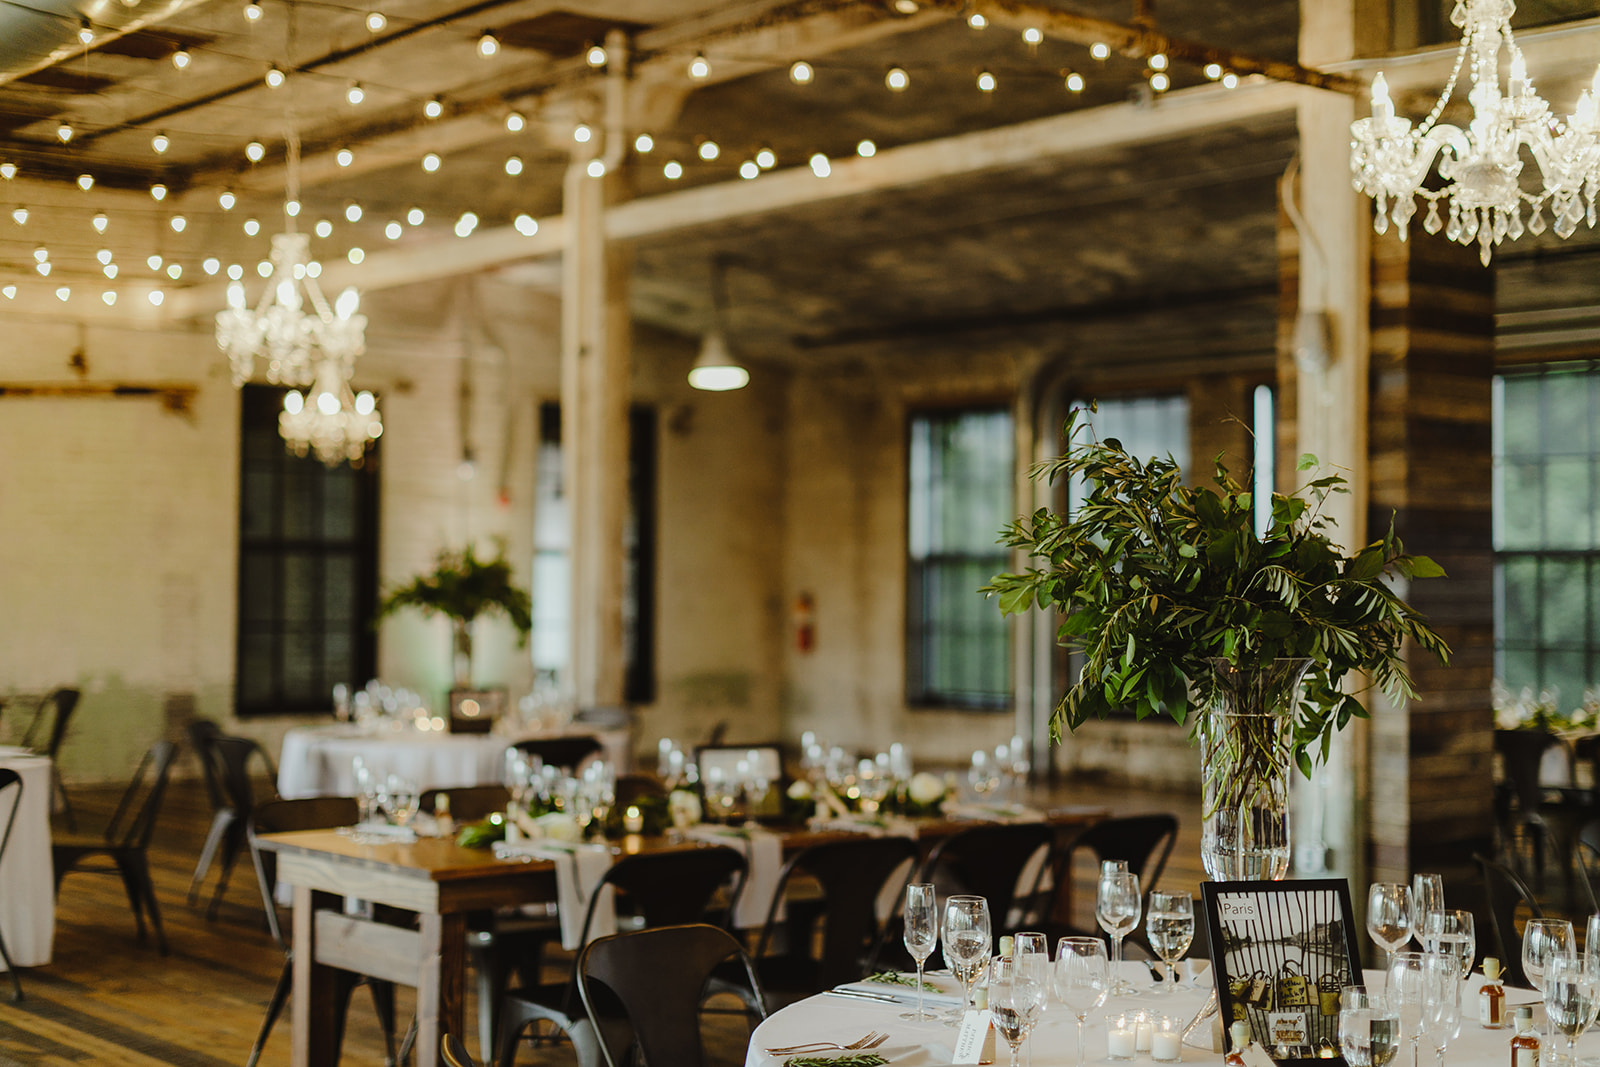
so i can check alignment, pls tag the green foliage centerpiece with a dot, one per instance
(1181, 610)
(462, 587)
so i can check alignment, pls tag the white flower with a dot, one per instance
(925, 788)
(799, 789)
(684, 807)
(558, 826)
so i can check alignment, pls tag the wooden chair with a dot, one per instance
(469, 803)
(643, 990)
(9, 778)
(126, 839)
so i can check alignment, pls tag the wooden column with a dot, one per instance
(1431, 457)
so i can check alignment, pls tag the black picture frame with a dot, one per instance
(1272, 933)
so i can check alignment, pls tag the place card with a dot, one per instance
(970, 1038)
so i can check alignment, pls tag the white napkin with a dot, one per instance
(579, 869)
(994, 812)
(763, 853)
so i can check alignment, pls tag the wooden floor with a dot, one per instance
(105, 999)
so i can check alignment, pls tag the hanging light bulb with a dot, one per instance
(20, 214)
(10, 292)
(154, 262)
(227, 199)
(643, 143)
(985, 81)
(180, 59)
(254, 151)
(251, 227)
(1230, 80)
(1100, 50)
(699, 67)
(355, 94)
(178, 223)
(393, 230)
(488, 44)
(109, 270)
(516, 122)
(355, 255)
(514, 165)
(344, 157)
(673, 170)
(709, 150)
(1032, 36)
(433, 108)
(86, 182)
(430, 162)
(415, 216)
(897, 79)
(291, 208)
(211, 265)
(352, 212)
(1159, 82)
(174, 271)
(1213, 71)
(8, 171)
(324, 228)
(109, 296)
(977, 21)
(252, 11)
(820, 166)
(156, 297)
(866, 149)
(43, 267)
(64, 294)
(749, 170)
(274, 77)
(582, 133)
(99, 222)
(85, 32)
(235, 272)
(466, 224)
(41, 254)
(596, 168)
(64, 132)
(1074, 81)
(104, 256)
(595, 56)
(526, 225)
(160, 143)
(158, 191)
(800, 72)
(766, 159)
(1157, 61)
(376, 22)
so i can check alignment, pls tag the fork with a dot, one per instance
(872, 1040)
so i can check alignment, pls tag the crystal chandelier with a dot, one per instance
(328, 420)
(1481, 165)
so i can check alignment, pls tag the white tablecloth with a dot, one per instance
(1055, 1042)
(27, 885)
(315, 761)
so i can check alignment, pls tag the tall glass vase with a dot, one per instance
(1245, 741)
(461, 652)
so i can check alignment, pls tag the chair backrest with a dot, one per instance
(201, 733)
(631, 788)
(63, 701)
(232, 758)
(655, 980)
(281, 817)
(8, 778)
(852, 874)
(676, 887)
(1589, 857)
(1505, 892)
(469, 803)
(566, 752)
(135, 819)
(1521, 752)
(454, 1053)
(1144, 842)
(988, 860)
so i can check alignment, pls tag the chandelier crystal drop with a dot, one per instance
(1482, 198)
(292, 329)
(329, 421)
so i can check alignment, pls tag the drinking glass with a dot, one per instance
(1081, 978)
(1116, 909)
(984, 774)
(1450, 931)
(1032, 950)
(1369, 1032)
(966, 942)
(1427, 894)
(403, 799)
(1570, 1001)
(1405, 993)
(1170, 927)
(1016, 999)
(1542, 941)
(921, 922)
(1591, 945)
(1441, 1000)
(873, 783)
(366, 790)
(1389, 917)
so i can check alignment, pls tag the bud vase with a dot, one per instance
(1245, 741)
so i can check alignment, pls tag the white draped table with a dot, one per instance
(316, 761)
(1055, 1043)
(27, 880)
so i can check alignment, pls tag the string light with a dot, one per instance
(673, 170)
(174, 271)
(801, 73)
(1158, 61)
(466, 224)
(430, 162)
(699, 67)
(582, 133)
(526, 225)
(254, 151)
(514, 165)
(1213, 71)
(160, 143)
(109, 296)
(180, 59)
(274, 77)
(109, 270)
(313, 269)
(344, 157)
(415, 216)
(235, 271)
(154, 262)
(158, 191)
(433, 108)
(41, 254)
(211, 265)
(1230, 80)
(64, 132)
(43, 268)
(1074, 81)
(1159, 82)
(866, 149)
(86, 182)
(20, 214)
(251, 227)
(227, 199)
(376, 22)
(1100, 50)
(8, 171)
(393, 231)
(352, 212)
(252, 11)
(595, 56)
(986, 81)
(488, 44)
(324, 228)
(766, 159)
(99, 222)
(897, 79)
(643, 143)
(104, 255)
(264, 268)
(906, 7)
(1032, 36)
(355, 94)
(819, 165)
(355, 255)
(178, 223)
(156, 297)
(85, 32)
(10, 292)
(709, 150)
(596, 168)
(748, 169)
(516, 122)
(64, 294)
(291, 208)
(977, 21)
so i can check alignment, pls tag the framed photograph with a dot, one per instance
(1281, 952)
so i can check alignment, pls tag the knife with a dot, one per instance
(858, 995)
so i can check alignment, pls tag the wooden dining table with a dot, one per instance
(442, 883)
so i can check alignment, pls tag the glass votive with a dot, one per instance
(1166, 1040)
(1143, 1031)
(1121, 1040)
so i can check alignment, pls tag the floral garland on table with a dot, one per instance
(1542, 713)
(923, 795)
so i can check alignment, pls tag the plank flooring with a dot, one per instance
(106, 999)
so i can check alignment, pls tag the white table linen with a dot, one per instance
(27, 879)
(316, 761)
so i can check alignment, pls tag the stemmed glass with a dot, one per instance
(1570, 1000)
(873, 783)
(1116, 909)
(1016, 999)
(921, 933)
(1389, 917)
(1081, 978)
(1427, 895)
(367, 790)
(1591, 945)
(404, 799)
(1544, 940)
(1369, 1031)
(1032, 950)
(1451, 932)
(1441, 981)
(966, 943)
(1170, 927)
(1405, 992)
(984, 774)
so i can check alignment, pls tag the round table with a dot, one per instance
(27, 881)
(316, 761)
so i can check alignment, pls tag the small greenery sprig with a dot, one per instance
(1155, 579)
(892, 978)
(859, 1059)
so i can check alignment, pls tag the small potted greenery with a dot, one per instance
(461, 587)
(1180, 610)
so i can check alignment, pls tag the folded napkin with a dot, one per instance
(579, 869)
(380, 831)
(763, 854)
(994, 812)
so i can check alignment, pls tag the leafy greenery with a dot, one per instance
(483, 833)
(858, 1059)
(1156, 579)
(462, 587)
(892, 978)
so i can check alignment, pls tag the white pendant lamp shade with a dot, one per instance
(715, 370)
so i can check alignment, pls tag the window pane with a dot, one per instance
(1521, 415)
(1523, 497)
(1519, 610)
(1567, 418)
(339, 590)
(1566, 503)
(339, 504)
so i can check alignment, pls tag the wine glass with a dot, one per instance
(1032, 949)
(1427, 894)
(1544, 940)
(1405, 992)
(984, 774)
(1591, 945)
(921, 933)
(1116, 909)
(1389, 917)
(1369, 1032)
(1170, 927)
(1441, 974)
(873, 783)
(1016, 999)
(404, 799)
(966, 943)
(1451, 931)
(1081, 978)
(1570, 1000)
(367, 790)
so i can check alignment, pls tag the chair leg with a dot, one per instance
(383, 1004)
(208, 852)
(141, 869)
(280, 996)
(11, 969)
(489, 962)
(135, 888)
(409, 1042)
(232, 842)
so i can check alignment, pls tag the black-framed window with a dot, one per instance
(960, 477)
(1547, 529)
(308, 568)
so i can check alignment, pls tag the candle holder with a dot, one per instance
(1121, 1038)
(1166, 1039)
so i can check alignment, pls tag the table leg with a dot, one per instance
(313, 1013)
(441, 984)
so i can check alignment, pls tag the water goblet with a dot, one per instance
(1405, 992)
(1116, 908)
(367, 790)
(966, 943)
(1369, 1032)
(921, 933)
(1081, 979)
(1032, 950)
(1389, 917)
(1571, 997)
(984, 774)
(1170, 927)
(1441, 1000)
(873, 784)
(1591, 945)
(1016, 999)
(1544, 940)
(1427, 894)
(403, 800)
(1451, 931)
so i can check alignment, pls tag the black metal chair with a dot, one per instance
(65, 701)
(1504, 892)
(565, 752)
(1144, 842)
(229, 761)
(643, 990)
(664, 889)
(1523, 825)
(126, 839)
(988, 861)
(454, 1053)
(283, 816)
(9, 778)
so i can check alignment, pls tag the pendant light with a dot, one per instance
(715, 368)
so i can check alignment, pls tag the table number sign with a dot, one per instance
(1280, 952)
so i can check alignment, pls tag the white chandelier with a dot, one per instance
(292, 340)
(1481, 165)
(328, 420)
